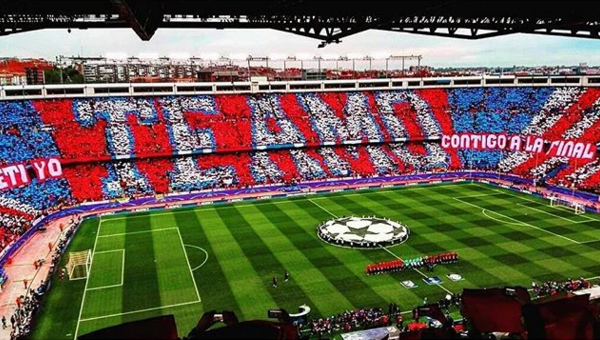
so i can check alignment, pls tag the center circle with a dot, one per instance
(363, 232)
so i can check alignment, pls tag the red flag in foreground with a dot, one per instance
(496, 309)
(567, 317)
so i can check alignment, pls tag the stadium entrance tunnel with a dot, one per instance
(366, 232)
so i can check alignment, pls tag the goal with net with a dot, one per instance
(577, 208)
(78, 266)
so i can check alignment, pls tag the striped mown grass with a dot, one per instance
(222, 257)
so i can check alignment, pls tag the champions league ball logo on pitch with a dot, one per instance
(363, 232)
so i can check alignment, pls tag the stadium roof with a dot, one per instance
(329, 21)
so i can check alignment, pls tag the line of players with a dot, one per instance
(429, 261)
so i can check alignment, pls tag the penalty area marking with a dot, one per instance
(86, 289)
(559, 207)
(556, 216)
(87, 281)
(481, 195)
(517, 221)
(188, 263)
(137, 232)
(122, 269)
(202, 250)
(484, 212)
(139, 311)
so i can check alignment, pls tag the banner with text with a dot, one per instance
(16, 175)
(532, 144)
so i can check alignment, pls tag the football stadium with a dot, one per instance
(396, 204)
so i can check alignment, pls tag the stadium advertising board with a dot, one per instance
(16, 175)
(531, 144)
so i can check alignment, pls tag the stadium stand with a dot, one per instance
(118, 147)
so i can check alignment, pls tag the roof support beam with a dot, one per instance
(144, 18)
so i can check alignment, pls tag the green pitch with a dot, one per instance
(222, 257)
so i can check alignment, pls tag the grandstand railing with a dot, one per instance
(152, 89)
(199, 198)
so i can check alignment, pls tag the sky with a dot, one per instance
(504, 51)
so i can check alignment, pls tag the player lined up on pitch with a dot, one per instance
(429, 261)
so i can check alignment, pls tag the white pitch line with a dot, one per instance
(590, 219)
(133, 214)
(484, 212)
(307, 197)
(195, 209)
(551, 214)
(418, 271)
(99, 227)
(87, 281)
(372, 191)
(80, 320)
(109, 251)
(325, 210)
(523, 223)
(189, 265)
(105, 287)
(139, 311)
(138, 232)
(122, 269)
(78, 278)
(205, 252)
(480, 195)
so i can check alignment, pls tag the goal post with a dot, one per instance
(577, 208)
(78, 266)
